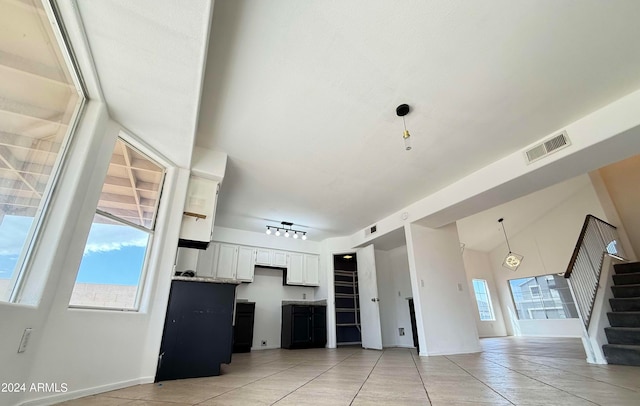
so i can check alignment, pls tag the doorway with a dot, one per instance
(347, 300)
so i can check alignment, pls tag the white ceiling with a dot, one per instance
(302, 95)
(149, 57)
(482, 232)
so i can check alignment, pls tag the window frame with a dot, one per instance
(154, 157)
(489, 301)
(535, 295)
(24, 265)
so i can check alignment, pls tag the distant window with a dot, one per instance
(113, 264)
(535, 291)
(542, 297)
(40, 100)
(483, 299)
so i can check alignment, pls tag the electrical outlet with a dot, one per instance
(263, 343)
(25, 340)
(422, 282)
(399, 294)
(459, 287)
(304, 295)
(401, 331)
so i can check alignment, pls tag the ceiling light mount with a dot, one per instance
(402, 110)
(512, 261)
(286, 228)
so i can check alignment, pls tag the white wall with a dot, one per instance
(547, 246)
(394, 287)
(478, 266)
(267, 292)
(621, 180)
(242, 237)
(441, 296)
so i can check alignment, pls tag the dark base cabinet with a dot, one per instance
(243, 329)
(198, 330)
(304, 326)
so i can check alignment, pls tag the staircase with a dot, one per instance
(624, 334)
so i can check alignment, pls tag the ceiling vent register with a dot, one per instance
(370, 230)
(553, 144)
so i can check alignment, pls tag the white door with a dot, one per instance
(279, 258)
(311, 271)
(263, 256)
(205, 266)
(368, 290)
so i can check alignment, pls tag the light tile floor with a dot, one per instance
(510, 371)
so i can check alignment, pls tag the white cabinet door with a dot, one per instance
(295, 270)
(207, 259)
(227, 261)
(263, 256)
(246, 265)
(369, 302)
(279, 258)
(311, 267)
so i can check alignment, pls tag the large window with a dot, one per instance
(543, 297)
(39, 102)
(483, 300)
(113, 263)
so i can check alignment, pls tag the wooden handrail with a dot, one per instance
(576, 250)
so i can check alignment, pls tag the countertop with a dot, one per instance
(322, 302)
(201, 279)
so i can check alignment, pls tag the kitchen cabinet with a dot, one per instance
(199, 212)
(295, 270)
(245, 265)
(243, 328)
(226, 262)
(303, 326)
(275, 258)
(303, 270)
(198, 330)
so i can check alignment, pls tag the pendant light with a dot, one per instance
(512, 260)
(402, 110)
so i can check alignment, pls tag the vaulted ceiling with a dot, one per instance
(302, 95)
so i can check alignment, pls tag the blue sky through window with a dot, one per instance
(114, 254)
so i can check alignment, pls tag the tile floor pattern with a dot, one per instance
(510, 371)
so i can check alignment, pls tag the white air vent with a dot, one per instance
(543, 149)
(370, 230)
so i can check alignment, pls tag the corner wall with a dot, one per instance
(440, 292)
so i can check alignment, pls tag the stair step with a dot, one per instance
(622, 354)
(626, 304)
(626, 290)
(623, 335)
(627, 279)
(624, 319)
(629, 267)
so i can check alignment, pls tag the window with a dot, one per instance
(483, 299)
(113, 263)
(542, 297)
(40, 99)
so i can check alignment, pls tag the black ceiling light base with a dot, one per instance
(402, 110)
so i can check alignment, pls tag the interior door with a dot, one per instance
(369, 302)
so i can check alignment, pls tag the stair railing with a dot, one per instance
(597, 239)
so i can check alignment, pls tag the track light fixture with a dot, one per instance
(402, 110)
(287, 230)
(512, 260)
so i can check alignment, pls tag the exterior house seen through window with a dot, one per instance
(542, 297)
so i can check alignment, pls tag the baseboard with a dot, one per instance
(63, 397)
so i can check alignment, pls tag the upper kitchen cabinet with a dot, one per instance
(207, 172)
(303, 270)
(268, 257)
